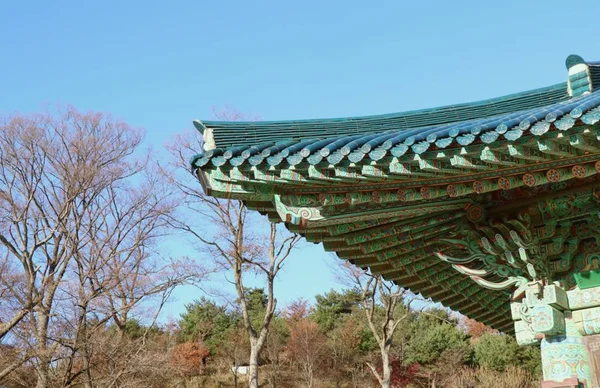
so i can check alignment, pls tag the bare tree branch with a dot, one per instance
(231, 243)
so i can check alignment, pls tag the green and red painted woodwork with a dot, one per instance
(474, 205)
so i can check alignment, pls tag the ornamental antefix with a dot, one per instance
(491, 208)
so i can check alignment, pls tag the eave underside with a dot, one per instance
(386, 206)
(409, 261)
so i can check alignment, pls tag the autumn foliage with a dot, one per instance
(306, 348)
(476, 329)
(402, 375)
(189, 358)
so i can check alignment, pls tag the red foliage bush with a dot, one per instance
(189, 358)
(402, 375)
(476, 329)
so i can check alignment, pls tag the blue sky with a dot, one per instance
(160, 65)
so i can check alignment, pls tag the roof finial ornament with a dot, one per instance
(580, 81)
(208, 138)
(573, 60)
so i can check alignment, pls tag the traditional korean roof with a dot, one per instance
(408, 194)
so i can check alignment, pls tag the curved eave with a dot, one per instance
(265, 174)
(381, 190)
(364, 148)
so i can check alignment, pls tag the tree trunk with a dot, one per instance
(253, 368)
(386, 373)
(43, 372)
(43, 361)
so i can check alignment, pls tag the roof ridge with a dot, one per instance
(532, 92)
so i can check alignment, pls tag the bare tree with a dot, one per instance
(386, 305)
(344, 344)
(306, 347)
(51, 169)
(235, 246)
(131, 361)
(276, 341)
(79, 216)
(118, 268)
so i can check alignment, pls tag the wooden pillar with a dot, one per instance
(566, 361)
(592, 343)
